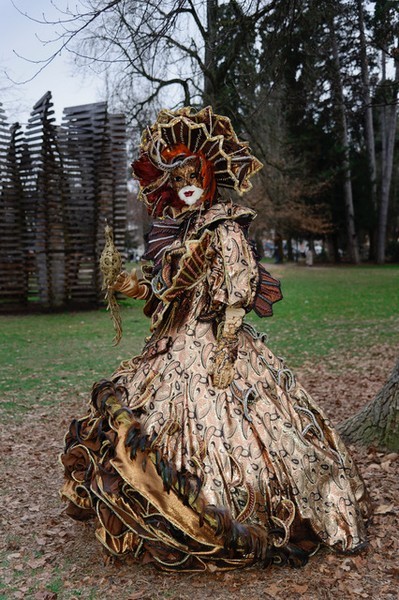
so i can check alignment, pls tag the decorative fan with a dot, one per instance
(191, 269)
(267, 294)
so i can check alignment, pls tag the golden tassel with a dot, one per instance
(110, 266)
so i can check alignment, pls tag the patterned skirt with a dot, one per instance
(192, 477)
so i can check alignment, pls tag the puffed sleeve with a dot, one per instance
(233, 277)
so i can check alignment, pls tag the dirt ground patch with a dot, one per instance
(46, 556)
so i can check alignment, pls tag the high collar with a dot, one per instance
(166, 230)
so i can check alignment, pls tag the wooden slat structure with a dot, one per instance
(58, 187)
(13, 271)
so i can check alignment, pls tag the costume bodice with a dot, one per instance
(207, 251)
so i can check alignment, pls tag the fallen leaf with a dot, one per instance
(212, 568)
(300, 589)
(360, 592)
(272, 590)
(386, 466)
(36, 563)
(40, 541)
(392, 456)
(346, 564)
(384, 509)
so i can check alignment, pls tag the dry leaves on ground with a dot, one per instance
(45, 556)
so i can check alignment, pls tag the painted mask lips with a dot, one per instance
(188, 194)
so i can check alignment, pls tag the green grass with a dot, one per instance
(324, 309)
(45, 352)
(333, 309)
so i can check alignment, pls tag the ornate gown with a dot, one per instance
(188, 475)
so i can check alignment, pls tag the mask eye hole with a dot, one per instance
(193, 175)
(178, 178)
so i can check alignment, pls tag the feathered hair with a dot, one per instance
(157, 184)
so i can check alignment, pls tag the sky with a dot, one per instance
(18, 36)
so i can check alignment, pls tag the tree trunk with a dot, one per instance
(290, 253)
(389, 116)
(349, 209)
(278, 249)
(259, 243)
(368, 121)
(209, 95)
(378, 422)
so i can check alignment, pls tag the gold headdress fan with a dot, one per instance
(203, 132)
(110, 266)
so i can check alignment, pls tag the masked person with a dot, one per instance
(204, 450)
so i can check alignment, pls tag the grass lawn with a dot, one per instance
(324, 310)
(332, 309)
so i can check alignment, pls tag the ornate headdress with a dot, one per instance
(202, 134)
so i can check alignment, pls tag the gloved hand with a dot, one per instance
(222, 366)
(225, 355)
(129, 285)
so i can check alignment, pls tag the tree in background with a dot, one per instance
(300, 80)
(386, 36)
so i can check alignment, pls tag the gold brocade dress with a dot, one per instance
(188, 475)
